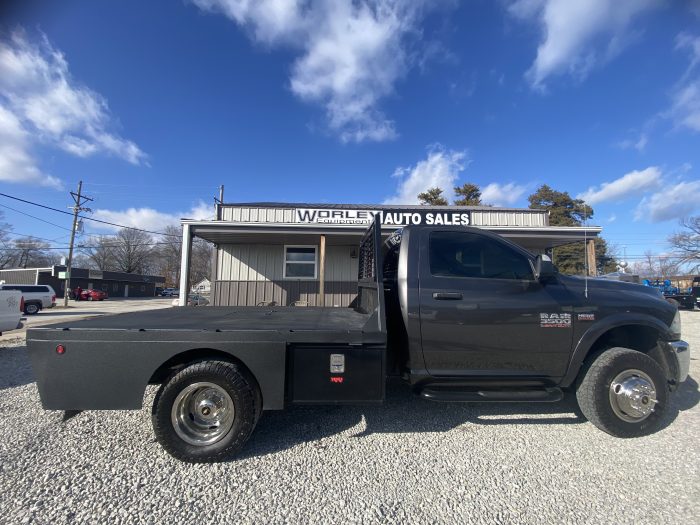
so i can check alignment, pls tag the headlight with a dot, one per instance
(675, 328)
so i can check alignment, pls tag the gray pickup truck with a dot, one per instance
(459, 313)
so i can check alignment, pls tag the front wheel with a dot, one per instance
(206, 412)
(624, 393)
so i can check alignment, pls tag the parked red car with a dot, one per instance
(93, 295)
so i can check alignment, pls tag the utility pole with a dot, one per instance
(78, 199)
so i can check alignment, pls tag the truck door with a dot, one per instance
(483, 313)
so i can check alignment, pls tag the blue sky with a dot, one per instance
(154, 104)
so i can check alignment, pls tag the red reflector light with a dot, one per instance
(60, 349)
(337, 379)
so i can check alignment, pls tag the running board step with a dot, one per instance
(547, 395)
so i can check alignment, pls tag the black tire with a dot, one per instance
(594, 392)
(244, 394)
(31, 309)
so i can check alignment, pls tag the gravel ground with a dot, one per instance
(409, 461)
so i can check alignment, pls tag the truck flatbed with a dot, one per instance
(227, 318)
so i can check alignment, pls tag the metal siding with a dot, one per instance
(283, 292)
(496, 217)
(250, 262)
(19, 276)
(257, 215)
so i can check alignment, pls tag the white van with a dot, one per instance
(10, 309)
(36, 296)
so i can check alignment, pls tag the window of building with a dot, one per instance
(300, 262)
(143, 287)
(105, 287)
(115, 287)
(458, 254)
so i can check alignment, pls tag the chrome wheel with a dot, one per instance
(202, 413)
(632, 396)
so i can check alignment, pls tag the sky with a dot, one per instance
(155, 104)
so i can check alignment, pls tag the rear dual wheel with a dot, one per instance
(207, 411)
(624, 393)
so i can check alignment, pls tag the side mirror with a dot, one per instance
(544, 269)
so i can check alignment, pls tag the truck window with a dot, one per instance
(462, 254)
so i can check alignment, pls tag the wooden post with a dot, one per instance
(322, 273)
(590, 254)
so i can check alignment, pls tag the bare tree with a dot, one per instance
(28, 252)
(168, 256)
(655, 266)
(99, 252)
(169, 253)
(202, 254)
(6, 252)
(132, 251)
(686, 244)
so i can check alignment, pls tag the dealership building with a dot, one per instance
(116, 284)
(307, 254)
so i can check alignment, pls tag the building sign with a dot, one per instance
(389, 217)
(95, 274)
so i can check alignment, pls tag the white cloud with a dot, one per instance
(351, 53)
(577, 35)
(439, 170)
(502, 194)
(16, 162)
(640, 144)
(629, 185)
(676, 201)
(685, 98)
(37, 88)
(149, 218)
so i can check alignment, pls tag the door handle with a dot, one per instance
(447, 296)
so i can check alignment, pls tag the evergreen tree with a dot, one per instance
(564, 210)
(432, 197)
(468, 195)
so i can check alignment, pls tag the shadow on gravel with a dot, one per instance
(15, 369)
(404, 412)
(686, 397)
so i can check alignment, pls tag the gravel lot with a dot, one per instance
(409, 461)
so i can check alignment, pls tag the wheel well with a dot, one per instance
(179, 361)
(636, 337)
(642, 338)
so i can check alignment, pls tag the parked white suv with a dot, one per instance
(36, 296)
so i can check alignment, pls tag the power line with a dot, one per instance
(29, 236)
(37, 218)
(84, 217)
